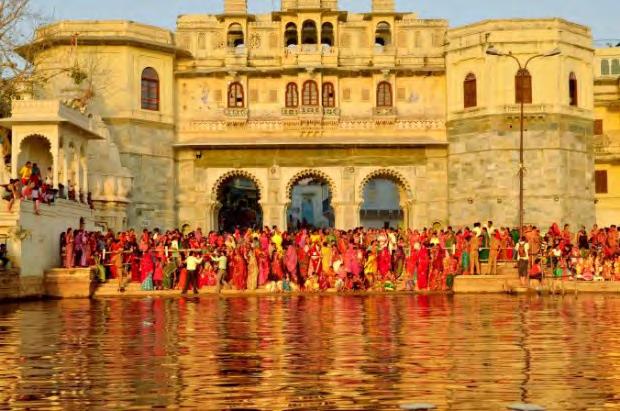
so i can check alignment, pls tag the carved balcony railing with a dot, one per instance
(290, 112)
(236, 112)
(331, 111)
(310, 111)
(384, 111)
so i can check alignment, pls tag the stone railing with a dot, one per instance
(236, 112)
(290, 111)
(605, 146)
(310, 111)
(527, 108)
(341, 124)
(331, 111)
(51, 110)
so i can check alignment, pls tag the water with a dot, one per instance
(312, 352)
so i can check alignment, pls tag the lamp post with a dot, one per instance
(492, 51)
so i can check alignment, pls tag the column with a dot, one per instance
(84, 176)
(76, 166)
(65, 166)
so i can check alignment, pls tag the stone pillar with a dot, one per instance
(84, 176)
(76, 166)
(65, 167)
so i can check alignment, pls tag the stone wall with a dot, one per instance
(484, 160)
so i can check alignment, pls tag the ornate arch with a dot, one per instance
(310, 173)
(219, 184)
(388, 174)
(35, 135)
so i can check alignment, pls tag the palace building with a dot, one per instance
(312, 114)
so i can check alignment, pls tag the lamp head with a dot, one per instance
(492, 51)
(556, 51)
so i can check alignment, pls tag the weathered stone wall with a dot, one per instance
(484, 160)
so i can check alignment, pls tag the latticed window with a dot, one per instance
(310, 94)
(150, 89)
(292, 95)
(598, 127)
(384, 94)
(523, 87)
(235, 96)
(572, 90)
(470, 91)
(329, 95)
(600, 182)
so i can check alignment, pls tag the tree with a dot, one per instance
(18, 30)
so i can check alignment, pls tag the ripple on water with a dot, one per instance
(312, 352)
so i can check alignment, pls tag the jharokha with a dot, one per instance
(308, 116)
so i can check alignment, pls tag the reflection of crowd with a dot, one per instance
(313, 260)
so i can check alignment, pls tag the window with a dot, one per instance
(604, 67)
(327, 34)
(383, 34)
(150, 89)
(235, 35)
(309, 32)
(290, 35)
(598, 127)
(523, 87)
(292, 95)
(329, 96)
(346, 94)
(600, 182)
(235, 96)
(384, 94)
(310, 94)
(572, 89)
(470, 92)
(615, 66)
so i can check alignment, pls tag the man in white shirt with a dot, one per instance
(522, 250)
(192, 263)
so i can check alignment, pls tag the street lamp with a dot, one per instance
(492, 51)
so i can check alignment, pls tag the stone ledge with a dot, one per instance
(69, 283)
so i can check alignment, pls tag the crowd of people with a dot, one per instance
(32, 185)
(360, 259)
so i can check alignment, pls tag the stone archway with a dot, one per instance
(37, 149)
(236, 201)
(309, 200)
(390, 208)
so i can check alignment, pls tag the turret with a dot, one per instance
(235, 6)
(382, 6)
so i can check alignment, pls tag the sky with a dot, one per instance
(600, 15)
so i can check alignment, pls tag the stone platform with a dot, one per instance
(70, 283)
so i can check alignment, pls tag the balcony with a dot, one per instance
(384, 112)
(236, 57)
(331, 112)
(310, 111)
(290, 112)
(236, 116)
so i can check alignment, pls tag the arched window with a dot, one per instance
(384, 94)
(290, 35)
(523, 86)
(310, 94)
(150, 89)
(470, 92)
(572, 90)
(235, 96)
(604, 67)
(292, 95)
(329, 95)
(383, 34)
(235, 35)
(615, 66)
(309, 33)
(327, 34)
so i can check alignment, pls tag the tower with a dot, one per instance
(382, 6)
(235, 6)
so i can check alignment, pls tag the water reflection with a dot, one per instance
(312, 352)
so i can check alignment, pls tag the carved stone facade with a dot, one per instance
(310, 90)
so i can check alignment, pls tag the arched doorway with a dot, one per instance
(384, 198)
(37, 150)
(240, 208)
(310, 194)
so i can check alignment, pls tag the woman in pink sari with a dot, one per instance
(86, 250)
(69, 248)
(290, 262)
(263, 267)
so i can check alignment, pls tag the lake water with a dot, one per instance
(312, 352)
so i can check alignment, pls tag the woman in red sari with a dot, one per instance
(290, 262)
(384, 263)
(277, 267)
(423, 266)
(239, 270)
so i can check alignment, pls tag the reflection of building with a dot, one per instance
(311, 91)
(607, 133)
